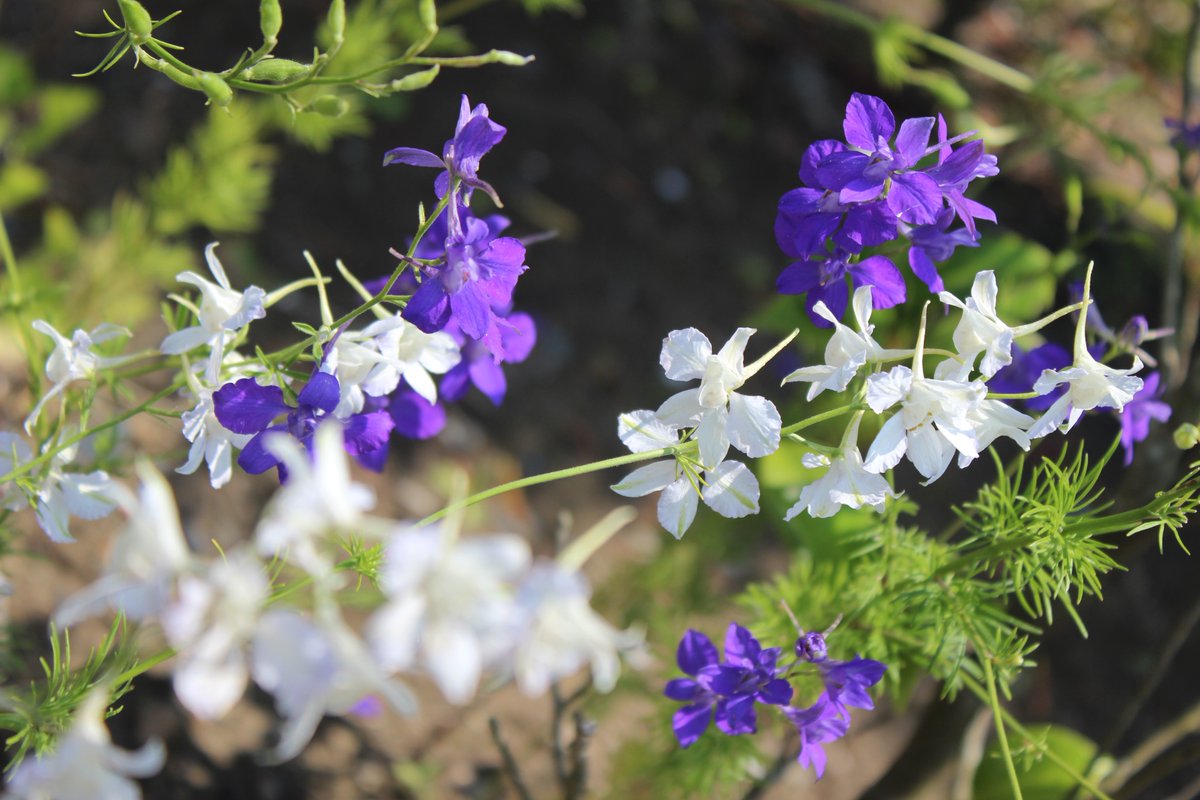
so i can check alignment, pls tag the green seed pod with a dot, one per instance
(270, 20)
(137, 21)
(417, 80)
(215, 87)
(275, 70)
(1187, 436)
(329, 105)
(336, 21)
(509, 58)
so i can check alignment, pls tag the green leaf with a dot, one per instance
(20, 182)
(1040, 778)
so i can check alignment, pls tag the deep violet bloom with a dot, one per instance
(933, 244)
(1136, 416)
(474, 135)
(825, 280)
(846, 682)
(246, 407)
(696, 656)
(819, 724)
(481, 368)
(478, 276)
(1026, 367)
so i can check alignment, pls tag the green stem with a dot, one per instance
(548, 477)
(816, 419)
(20, 469)
(998, 717)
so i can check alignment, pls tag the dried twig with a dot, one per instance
(510, 763)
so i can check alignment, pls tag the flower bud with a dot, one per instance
(275, 70)
(1187, 436)
(329, 105)
(137, 21)
(270, 20)
(416, 80)
(336, 21)
(811, 647)
(215, 87)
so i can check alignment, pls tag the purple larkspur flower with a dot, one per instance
(474, 135)
(245, 406)
(478, 276)
(862, 171)
(825, 280)
(933, 244)
(846, 682)
(1025, 368)
(696, 656)
(481, 368)
(819, 724)
(956, 169)
(1185, 136)
(1136, 416)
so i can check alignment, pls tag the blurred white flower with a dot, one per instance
(84, 764)
(73, 359)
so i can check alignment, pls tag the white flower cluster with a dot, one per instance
(931, 419)
(454, 607)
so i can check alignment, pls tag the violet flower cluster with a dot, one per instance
(727, 692)
(878, 185)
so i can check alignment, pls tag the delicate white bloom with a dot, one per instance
(210, 624)
(73, 359)
(932, 423)
(59, 494)
(450, 605)
(562, 632)
(846, 483)
(847, 350)
(212, 442)
(730, 488)
(720, 415)
(146, 558)
(222, 309)
(980, 330)
(85, 764)
(318, 499)
(990, 420)
(1090, 384)
(315, 667)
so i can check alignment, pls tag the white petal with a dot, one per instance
(677, 507)
(641, 431)
(420, 382)
(929, 452)
(1053, 417)
(644, 480)
(681, 410)
(732, 354)
(209, 688)
(983, 292)
(88, 495)
(452, 655)
(684, 354)
(815, 460)
(889, 446)
(885, 389)
(754, 425)
(52, 514)
(732, 490)
(711, 434)
(214, 264)
(394, 632)
(185, 340)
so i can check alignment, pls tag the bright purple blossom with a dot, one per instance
(846, 682)
(478, 276)
(1136, 416)
(697, 657)
(825, 280)
(474, 135)
(245, 406)
(479, 367)
(819, 724)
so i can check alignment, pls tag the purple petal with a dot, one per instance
(472, 310)
(473, 140)
(741, 648)
(322, 392)
(690, 722)
(695, 652)
(798, 278)
(869, 122)
(913, 139)
(246, 407)
(455, 382)
(488, 377)
(959, 168)
(416, 417)
(880, 273)
(682, 689)
(835, 296)
(501, 264)
(412, 157)
(367, 433)
(847, 169)
(735, 715)
(923, 267)
(255, 458)
(801, 237)
(518, 334)
(915, 198)
(813, 156)
(867, 225)
(429, 307)
(777, 692)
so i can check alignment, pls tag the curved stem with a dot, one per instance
(816, 419)
(998, 716)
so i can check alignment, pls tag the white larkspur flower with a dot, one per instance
(147, 557)
(222, 309)
(212, 442)
(720, 415)
(1090, 384)
(73, 359)
(847, 350)
(59, 494)
(210, 624)
(318, 499)
(84, 763)
(315, 667)
(562, 633)
(450, 606)
(846, 483)
(980, 330)
(933, 420)
(730, 488)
